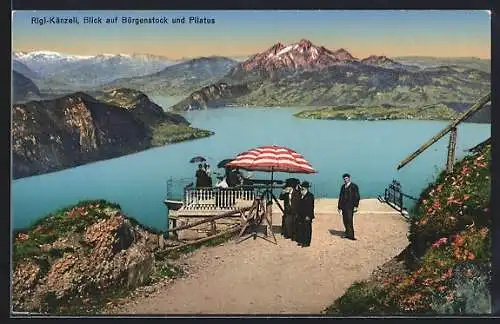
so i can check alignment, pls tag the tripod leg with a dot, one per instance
(244, 238)
(278, 203)
(269, 220)
(243, 228)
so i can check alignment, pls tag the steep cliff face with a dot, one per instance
(212, 96)
(51, 135)
(54, 134)
(23, 88)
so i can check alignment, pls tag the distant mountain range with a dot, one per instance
(298, 74)
(53, 71)
(425, 62)
(303, 74)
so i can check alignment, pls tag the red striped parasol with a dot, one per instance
(272, 158)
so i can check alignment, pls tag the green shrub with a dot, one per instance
(360, 299)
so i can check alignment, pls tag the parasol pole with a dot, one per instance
(272, 178)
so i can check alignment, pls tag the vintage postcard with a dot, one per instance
(245, 162)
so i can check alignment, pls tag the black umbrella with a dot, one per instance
(197, 159)
(223, 163)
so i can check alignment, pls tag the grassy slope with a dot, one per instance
(162, 133)
(166, 133)
(450, 236)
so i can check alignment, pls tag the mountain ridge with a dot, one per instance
(180, 78)
(58, 71)
(303, 74)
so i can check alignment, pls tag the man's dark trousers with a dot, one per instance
(307, 232)
(347, 217)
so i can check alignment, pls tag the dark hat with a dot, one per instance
(305, 184)
(292, 182)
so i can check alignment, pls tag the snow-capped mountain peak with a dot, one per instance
(89, 69)
(303, 54)
(47, 55)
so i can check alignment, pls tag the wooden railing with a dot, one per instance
(216, 198)
(241, 212)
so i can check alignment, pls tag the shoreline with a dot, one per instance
(311, 108)
(210, 133)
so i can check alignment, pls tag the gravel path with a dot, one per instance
(258, 277)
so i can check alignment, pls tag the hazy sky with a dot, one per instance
(235, 33)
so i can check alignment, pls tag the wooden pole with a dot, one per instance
(208, 238)
(213, 218)
(473, 109)
(451, 150)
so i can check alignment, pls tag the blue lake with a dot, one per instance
(369, 151)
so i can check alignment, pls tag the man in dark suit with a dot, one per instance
(287, 221)
(294, 211)
(306, 215)
(348, 204)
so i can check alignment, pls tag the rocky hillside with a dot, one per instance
(446, 269)
(51, 135)
(75, 256)
(23, 88)
(215, 95)
(140, 106)
(304, 74)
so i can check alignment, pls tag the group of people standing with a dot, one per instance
(298, 203)
(203, 176)
(298, 212)
(299, 209)
(232, 178)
